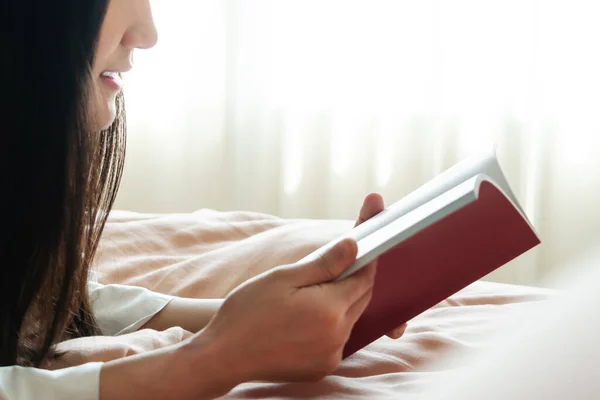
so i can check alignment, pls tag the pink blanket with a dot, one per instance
(207, 253)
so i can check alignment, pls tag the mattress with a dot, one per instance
(207, 253)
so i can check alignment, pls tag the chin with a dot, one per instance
(103, 110)
(106, 119)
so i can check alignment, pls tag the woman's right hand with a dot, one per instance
(288, 324)
(291, 323)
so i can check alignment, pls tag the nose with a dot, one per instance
(142, 33)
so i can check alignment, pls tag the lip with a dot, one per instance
(114, 80)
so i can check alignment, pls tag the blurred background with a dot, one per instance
(299, 108)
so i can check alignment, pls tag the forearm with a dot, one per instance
(190, 314)
(184, 371)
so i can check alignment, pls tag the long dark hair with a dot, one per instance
(58, 181)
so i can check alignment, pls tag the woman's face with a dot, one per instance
(128, 25)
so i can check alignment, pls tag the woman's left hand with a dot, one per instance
(373, 205)
(108, 348)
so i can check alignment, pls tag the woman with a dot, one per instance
(61, 156)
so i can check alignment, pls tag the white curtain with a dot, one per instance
(301, 107)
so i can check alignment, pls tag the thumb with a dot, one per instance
(327, 264)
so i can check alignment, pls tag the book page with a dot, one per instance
(486, 164)
(441, 187)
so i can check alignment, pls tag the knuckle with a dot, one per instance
(330, 261)
(326, 266)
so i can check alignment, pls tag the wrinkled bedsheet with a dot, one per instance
(208, 253)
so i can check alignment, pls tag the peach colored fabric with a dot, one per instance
(207, 253)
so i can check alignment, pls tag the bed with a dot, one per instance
(208, 253)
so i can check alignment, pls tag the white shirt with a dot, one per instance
(118, 310)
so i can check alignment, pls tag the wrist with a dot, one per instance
(211, 362)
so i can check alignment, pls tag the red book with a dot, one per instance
(444, 236)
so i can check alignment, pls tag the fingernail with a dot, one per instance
(344, 247)
(341, 249)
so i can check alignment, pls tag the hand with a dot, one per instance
(108, 348)
(373, 205)
(291, 323)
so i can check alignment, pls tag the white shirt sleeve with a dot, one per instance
(121, 309)
(81, 383)
(118, 310)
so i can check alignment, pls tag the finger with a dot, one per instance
(354, 286)
(372, 205)
(359, 306)
(176, 334)
(327, 266)
(398, 332)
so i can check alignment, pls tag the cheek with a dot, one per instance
(102, 108)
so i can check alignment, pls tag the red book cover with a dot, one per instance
(442, 259)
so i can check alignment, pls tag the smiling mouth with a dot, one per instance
(113, 79)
